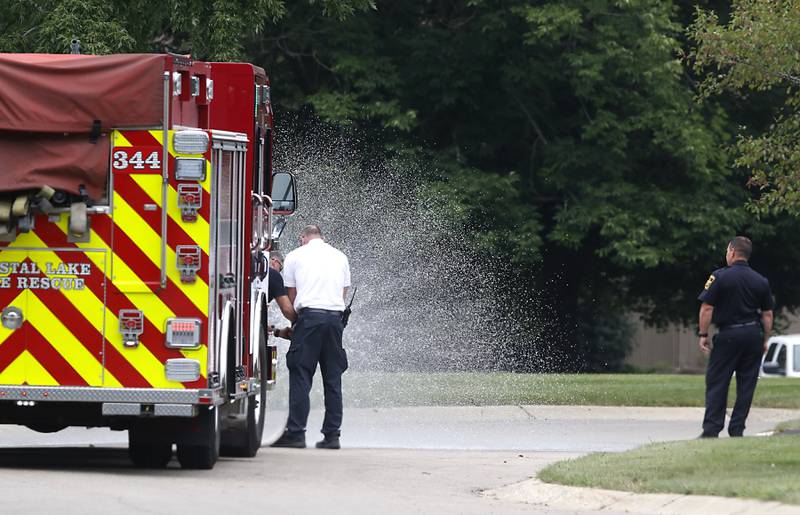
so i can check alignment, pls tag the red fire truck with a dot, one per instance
(135, 205)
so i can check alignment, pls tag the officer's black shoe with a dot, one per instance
(330, 442)
(289, 440)
(736, 435)
(707, 435)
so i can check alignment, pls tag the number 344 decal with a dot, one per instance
(125, 159)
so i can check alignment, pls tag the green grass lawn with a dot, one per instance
(759, 468)
(763, 468)
(483, 389)
(788, 426)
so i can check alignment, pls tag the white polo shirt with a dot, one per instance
(320, 273)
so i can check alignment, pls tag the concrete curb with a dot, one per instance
(578, 499)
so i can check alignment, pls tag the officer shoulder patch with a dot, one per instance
(710, 281)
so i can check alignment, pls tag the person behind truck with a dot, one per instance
(317, 277)
(277, 290)
(738, 300)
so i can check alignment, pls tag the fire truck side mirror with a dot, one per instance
(284, 194)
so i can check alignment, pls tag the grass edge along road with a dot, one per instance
(765, 468)
(384, 389)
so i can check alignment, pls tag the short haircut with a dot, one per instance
(274, 254)
(311, 230)
(742, 246)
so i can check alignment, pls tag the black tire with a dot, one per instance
(204, 455)
(245, 440)
(148, 455)
(46, 428)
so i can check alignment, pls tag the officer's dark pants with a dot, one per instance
(317, 338)
(735, 350)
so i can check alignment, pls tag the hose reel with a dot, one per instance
(17, 211)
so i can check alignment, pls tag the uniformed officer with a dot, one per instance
(738, 300)
(317, 277)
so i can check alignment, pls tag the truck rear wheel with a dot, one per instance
(245, 440)
(202, 455)
(46, 428)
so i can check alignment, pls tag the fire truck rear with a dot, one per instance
(135, 205)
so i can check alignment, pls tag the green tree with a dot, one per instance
(755, 51)
(566, 133)
(212, 30)
(563, 134)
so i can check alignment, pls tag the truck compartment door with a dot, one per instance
(137, 239)
(229, 254)
(59, 298)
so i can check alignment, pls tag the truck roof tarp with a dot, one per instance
(66, 93)
(48, 107)
(61, 161)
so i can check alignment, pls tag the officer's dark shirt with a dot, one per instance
(738, 294)
(276, 287)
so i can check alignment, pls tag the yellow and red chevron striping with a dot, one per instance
(126, 249)
(55, 364)
(133, 194)
(70, 339)
(115, 363)
(41, 348)
(152, 338)
(118, 366)
(117, 300)
(153, 138)
(11, 348)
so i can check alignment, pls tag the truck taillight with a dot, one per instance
(190, 142)
(131, 326)
(183, 333)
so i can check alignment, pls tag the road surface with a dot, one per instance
(395, 461)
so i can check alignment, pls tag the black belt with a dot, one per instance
(745, 324)
(319, 311)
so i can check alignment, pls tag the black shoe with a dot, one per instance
(736, 435)
(707, 435)
(289, 440)
(330, 442)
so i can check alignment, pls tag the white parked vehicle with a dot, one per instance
(783, 357)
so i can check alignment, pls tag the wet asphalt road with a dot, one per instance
(395, 460)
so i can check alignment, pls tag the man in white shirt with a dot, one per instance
(316, 276)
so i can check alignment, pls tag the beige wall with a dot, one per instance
(671, 350)
(675, 349)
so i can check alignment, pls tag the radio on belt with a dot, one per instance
(183, 333)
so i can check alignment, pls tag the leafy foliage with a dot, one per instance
(567, 137)
(756, 50)
(563, 134)
(213, 29)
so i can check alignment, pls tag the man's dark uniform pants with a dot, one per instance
(737, 350)
(317, 338)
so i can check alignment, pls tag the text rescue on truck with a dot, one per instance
(135, 201)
